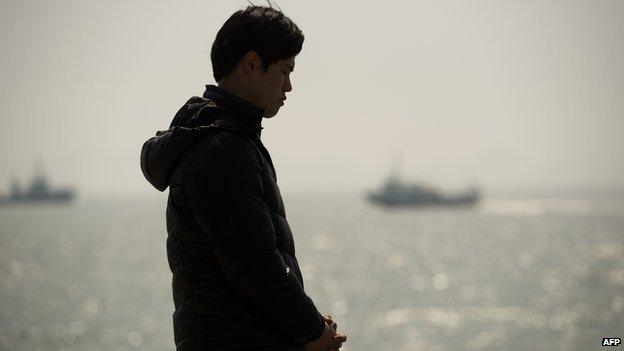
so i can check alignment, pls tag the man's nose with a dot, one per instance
(287, 85)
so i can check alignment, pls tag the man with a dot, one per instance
(236, 281)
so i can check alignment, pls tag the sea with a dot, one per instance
(517, 273)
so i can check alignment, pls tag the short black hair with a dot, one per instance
(263, 29)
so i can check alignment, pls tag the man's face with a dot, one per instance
(269, 88)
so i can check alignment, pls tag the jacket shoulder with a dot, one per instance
(226, 144)
(222, 153)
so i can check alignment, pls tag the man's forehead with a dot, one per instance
(289, 63)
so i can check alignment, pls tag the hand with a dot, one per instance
(329, 340)
(330, 321)
(324, 343)
(338, 338)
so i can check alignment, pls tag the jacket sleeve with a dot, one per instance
(225, 191)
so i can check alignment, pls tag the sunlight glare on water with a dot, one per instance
(510, 274)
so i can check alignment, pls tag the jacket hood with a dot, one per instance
(217, 109)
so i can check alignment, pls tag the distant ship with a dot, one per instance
(395, 193)
(38, 192)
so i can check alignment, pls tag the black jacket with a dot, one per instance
(236, 281)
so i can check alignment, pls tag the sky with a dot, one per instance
(513, 96)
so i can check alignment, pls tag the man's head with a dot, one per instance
(254, 53)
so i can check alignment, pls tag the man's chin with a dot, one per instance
(271, 114)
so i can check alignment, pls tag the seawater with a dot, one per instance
(509, 274)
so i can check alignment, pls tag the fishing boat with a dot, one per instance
(39, 191)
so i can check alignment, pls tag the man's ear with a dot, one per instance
(251, 62)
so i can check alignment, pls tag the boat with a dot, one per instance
(396, 193)
(38, 192)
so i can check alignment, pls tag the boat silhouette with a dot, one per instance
(395, 192)
(39, 191)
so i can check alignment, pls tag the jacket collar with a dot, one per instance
(245, 114)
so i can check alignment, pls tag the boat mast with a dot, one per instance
(395, 167)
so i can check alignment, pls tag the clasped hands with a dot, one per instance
(330, 340)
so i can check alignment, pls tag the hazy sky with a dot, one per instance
(508, 94)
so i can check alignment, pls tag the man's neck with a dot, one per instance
(234, 88)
